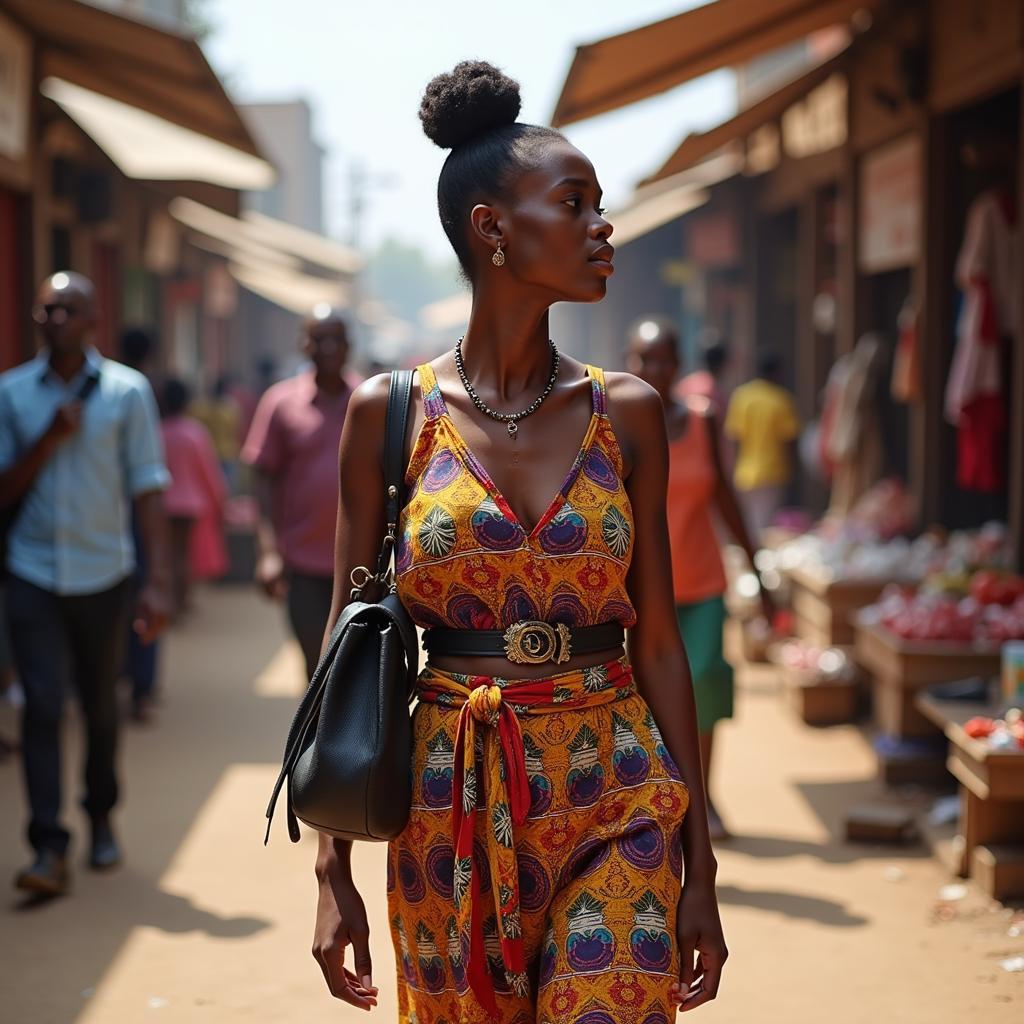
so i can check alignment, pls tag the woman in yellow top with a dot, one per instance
(763, 421)
(697, 484)
(556, 781)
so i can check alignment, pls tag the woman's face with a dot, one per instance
(556, 237)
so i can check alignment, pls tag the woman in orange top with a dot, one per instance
(556, 780)
(696, 484)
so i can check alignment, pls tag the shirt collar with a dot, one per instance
(92, 367)
(315, 395)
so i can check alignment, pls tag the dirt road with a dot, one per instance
(204, 924)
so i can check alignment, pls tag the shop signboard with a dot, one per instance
(15, 90)
(890, 207)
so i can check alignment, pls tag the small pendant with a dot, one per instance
(513, 428)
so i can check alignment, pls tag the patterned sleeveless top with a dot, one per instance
(464, 560)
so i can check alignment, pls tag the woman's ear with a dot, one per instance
(486, 224)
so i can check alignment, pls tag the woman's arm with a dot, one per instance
(655, 646)
(729, 509)
(341, 917)
(662, 670)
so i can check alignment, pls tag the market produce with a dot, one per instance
(989, 587)
(829, 664)
(930, 615)
(1004, 734)
(947, 562)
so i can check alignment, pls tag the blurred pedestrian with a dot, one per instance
(293, 446)
(709, 381)
(197, 493)
(142, 660)
(79, 438)
(697, 486)
(221, 415)
(763, 421)
(138, 351)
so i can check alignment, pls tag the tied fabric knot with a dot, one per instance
(506, 791)
(498, 776)
(485, 704)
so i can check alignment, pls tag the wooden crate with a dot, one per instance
(999, 870)
(818, 702)
(899, 668)
(991, 828)
(823, 607)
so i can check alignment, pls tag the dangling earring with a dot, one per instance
(498, 259)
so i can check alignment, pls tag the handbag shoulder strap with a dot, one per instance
(394, 448)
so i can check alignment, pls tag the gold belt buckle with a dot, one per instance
(532, 642)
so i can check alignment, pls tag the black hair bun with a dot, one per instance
(471, 99)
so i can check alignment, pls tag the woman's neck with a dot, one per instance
(507, 348)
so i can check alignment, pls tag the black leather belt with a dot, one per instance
(527, 643)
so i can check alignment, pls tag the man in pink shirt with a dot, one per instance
(293, 446)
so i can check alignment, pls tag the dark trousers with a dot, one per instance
(54, 638)
(309, 607)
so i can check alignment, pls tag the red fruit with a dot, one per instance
(985, 586)
(979, 727)
(990, 587)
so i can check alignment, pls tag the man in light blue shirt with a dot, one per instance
(79, 442)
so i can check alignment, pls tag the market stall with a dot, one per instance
(913, 638)
(986, 756)
(843, 567)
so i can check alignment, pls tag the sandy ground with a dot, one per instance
(204, 924)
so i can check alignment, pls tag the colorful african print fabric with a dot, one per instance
(464, 561)
(538, 877)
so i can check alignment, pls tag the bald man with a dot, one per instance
(293, 446)
(79, 440)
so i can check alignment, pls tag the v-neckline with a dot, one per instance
(476, 467)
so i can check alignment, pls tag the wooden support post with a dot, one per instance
(847, 286)
(933, 287)
(1016, 393)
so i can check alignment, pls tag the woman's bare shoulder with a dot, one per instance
(631, 399)
(368, 405)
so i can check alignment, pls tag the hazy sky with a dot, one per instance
(363, 66)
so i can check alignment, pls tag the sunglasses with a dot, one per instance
(58, 312)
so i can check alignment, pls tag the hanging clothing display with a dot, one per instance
(905, 385)
(851, 432)
(986, 273)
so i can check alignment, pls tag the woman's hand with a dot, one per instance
(699, 932)
(768, 609)
(340, 922)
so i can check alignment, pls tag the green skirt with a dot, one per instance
(701, 625)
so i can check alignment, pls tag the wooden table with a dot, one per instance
(823, 605)
(991, 841)
(900, 668)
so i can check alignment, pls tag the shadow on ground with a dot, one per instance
(791, 905)
(210, 720)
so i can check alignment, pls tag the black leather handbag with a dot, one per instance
(347, 761)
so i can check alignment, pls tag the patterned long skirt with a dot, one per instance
(538, 877)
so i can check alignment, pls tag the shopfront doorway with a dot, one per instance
(983, 140)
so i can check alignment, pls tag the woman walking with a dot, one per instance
(195, 499)
(557, 786)
(697, 484)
